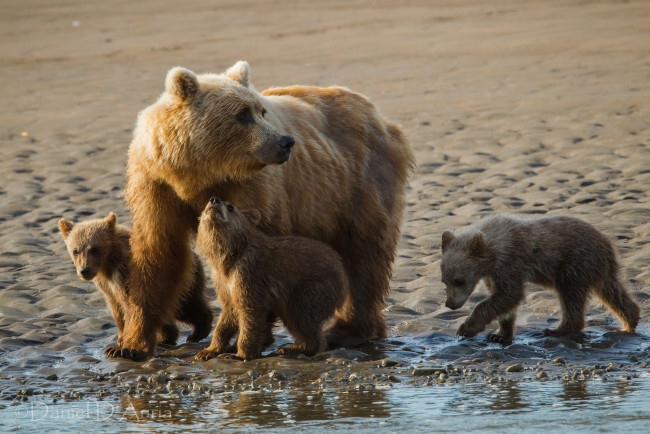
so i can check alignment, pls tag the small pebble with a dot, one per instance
(517, 367)
(277, 375)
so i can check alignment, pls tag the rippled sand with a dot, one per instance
(527, 108)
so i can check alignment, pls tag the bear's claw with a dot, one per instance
(499, 338)
(229, 356)
(206, 355)
(125, 353)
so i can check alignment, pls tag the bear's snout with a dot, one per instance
(451, 305)
(215, 201)
(286, 142)
(85, 273)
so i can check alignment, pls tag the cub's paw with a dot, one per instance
(194, 338)
(499, 338)
(229, 356)
(289, 351)
(467, 330)
(555, 333)
(207, 354)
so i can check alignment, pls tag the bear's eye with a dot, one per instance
(231, 208)
(459, 282)
(75, 252)
(245, 116)
(263, 112)
(93, 251)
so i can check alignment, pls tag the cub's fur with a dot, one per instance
(100, 251)
(260, 278)
(563, 253)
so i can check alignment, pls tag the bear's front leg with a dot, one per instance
(226, 328)
(506, 332)
(139, 338)
(160, 264)
(116, 312)
(505, 299)
(253, 334)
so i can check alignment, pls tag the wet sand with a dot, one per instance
(526, 108)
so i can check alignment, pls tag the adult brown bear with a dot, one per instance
(316, 162)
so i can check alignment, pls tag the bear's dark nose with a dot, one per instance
(85, 272)
(215, 201)
(286, 142)
(450, 305)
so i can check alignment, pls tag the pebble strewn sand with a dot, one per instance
(528, 108)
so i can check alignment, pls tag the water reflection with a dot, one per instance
(276, 409)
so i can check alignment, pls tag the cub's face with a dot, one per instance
(461, 266)
(224, 223)
(210, 128)
(88, 243)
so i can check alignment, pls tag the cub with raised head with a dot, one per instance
(563, 253)
(100, 251)
(259, 278)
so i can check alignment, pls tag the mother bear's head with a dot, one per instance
(207, 128)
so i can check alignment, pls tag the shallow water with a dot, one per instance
(507, 407)
(433, 382)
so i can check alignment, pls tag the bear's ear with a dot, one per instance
(447, 237)
(181, 82)
(65, 227)
(239, 72)
(477, 244)
(111, 220)
(253, 216)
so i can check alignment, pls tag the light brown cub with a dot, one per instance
(100, 251)
(260, 278)
(563, 253)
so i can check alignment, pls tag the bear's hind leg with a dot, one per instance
(308, 341)
(368, 265)
(573, 299)
(194, 308)
(168, 334)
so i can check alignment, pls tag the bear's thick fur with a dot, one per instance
(563, 253)
(214, 135)
(100, 251)
(261, 278)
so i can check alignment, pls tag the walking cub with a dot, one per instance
(100, 251)
(259, 278)
(563, 253)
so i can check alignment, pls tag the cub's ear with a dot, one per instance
(253, 216)
(181, 82)
(111, 220)
(447, 237)
(477, 244)
(65, 227)
(239, 72)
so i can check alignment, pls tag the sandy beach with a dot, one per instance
(526, 108)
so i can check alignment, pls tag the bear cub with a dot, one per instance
(261, 278)
(563, 253)
(100, 251)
